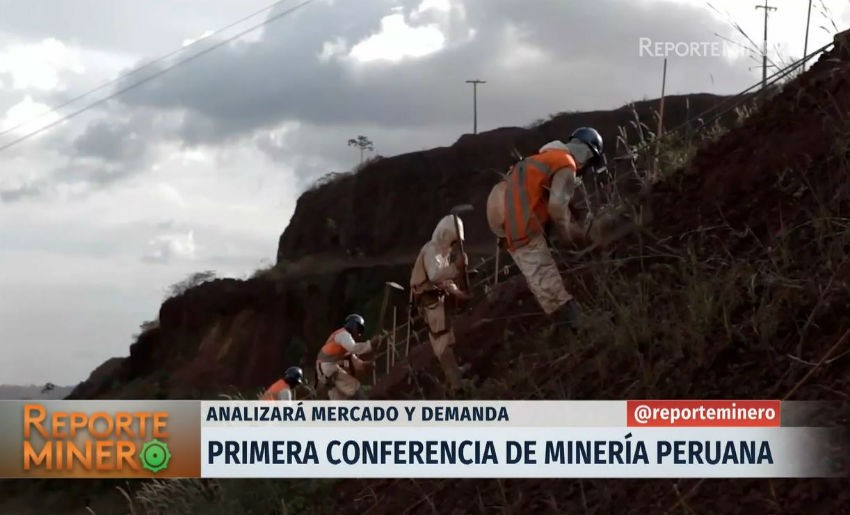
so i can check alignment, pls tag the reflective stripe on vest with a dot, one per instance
(273, 390)
(331, 351)
(526, 209)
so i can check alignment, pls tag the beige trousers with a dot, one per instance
(345, 386)
(435, 317)
(535, 262)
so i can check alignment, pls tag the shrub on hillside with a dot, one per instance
(190, 282)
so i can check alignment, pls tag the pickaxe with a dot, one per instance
(455, 211)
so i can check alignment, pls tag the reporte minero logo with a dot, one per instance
(78, 443)
(648, 47)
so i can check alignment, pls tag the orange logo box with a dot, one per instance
(117, 439)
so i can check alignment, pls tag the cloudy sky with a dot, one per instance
(199, 167)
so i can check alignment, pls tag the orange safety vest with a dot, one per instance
(331, 351)
(272, 391)
(527, 194)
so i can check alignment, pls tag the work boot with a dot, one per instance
(569, 315)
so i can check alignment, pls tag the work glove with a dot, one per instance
(452, 289)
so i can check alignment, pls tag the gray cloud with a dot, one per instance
(315, 150)
(22, 192)
(244, 87)
(87, 174)
(166, 248)
(113, 144)
(126, 26)
(114, 141)
(238, 89)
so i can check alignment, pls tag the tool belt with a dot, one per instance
(444, 331)
(430, 299)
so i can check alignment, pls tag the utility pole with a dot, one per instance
(766, 8)
(806, 42)
(475, 84)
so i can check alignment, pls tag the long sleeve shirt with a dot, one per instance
(284, 395)
(438, 265)
(344, 339)
(568, 202)
(433, 266)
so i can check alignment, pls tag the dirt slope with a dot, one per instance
(754, 233)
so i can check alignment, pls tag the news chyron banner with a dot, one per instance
(422, 439)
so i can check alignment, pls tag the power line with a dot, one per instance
(142, 67)
(161, 72)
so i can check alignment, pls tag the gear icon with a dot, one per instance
(155, 455)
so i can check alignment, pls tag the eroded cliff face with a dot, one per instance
(230, 335)
(392, 205)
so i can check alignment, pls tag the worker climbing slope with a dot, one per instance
(341, 349)
(542, 191)
(431, 282)
(282, 389)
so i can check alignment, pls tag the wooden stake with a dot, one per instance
(661, 107)
(660, 118)
(392, 340)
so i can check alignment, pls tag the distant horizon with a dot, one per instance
(36, 385)
(12, 392)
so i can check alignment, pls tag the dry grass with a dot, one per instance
(685, 317)
(681, 309)
(261, 496)
(675, 318)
